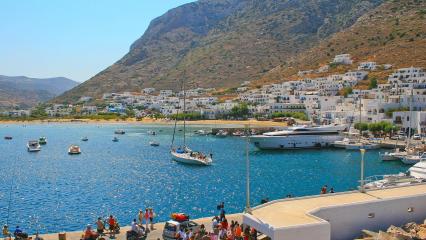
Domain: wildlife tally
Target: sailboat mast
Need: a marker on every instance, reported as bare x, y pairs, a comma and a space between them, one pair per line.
184, 112
360, 119
411, 117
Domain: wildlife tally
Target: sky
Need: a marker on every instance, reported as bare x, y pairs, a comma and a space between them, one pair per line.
71, 38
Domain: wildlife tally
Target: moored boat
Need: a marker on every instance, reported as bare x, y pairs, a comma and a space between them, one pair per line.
299, 137
361, 145
115, 139
42, 140
84, 139
119, 131
150, 132
188, 156
222, 133
33, 146
392, 156
154, 143
411, 159
74, 149
8, 137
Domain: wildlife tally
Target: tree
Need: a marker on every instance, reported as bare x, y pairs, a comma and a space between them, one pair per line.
240, 111
373, 83
347, 91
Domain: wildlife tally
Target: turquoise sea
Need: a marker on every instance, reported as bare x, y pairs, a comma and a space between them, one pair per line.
51, 191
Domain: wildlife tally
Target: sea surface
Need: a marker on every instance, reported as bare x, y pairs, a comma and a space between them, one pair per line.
52, 191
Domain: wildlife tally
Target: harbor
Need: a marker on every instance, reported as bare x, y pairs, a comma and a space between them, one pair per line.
120, 177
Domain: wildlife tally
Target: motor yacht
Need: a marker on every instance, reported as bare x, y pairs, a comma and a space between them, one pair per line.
33, 146
119, 131
300, 137
74, 149
42, 140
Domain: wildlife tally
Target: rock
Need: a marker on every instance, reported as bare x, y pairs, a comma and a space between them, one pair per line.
401, 233
367, 233
390, 236
421, 234
411, 226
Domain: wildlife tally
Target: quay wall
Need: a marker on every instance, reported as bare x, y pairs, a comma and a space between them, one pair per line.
347, 221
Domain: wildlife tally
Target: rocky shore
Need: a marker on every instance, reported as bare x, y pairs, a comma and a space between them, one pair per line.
409, 231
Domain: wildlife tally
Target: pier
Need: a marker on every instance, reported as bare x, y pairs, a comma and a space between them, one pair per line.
339, 216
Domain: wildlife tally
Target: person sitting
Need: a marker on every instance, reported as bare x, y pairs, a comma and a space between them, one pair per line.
139, 231
19, 233
89, 234
5, 231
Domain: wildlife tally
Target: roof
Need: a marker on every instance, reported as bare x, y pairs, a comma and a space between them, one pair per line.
293, 212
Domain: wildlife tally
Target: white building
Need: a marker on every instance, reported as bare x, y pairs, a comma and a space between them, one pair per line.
369, 66
343, 59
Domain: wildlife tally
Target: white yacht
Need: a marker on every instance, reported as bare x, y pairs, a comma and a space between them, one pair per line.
392, 156
188, 156
411, 159
33, 146
415, 174
300, 137
119, 131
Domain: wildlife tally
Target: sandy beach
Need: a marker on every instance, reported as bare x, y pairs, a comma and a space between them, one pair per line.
239, 123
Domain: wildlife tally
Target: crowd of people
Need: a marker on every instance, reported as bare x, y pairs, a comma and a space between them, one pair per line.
139, 228
221, 230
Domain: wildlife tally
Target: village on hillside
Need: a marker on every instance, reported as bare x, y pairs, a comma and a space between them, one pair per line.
330, 99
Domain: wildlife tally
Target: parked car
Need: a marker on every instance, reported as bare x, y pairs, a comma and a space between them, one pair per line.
173, 226
417, 137
401, 137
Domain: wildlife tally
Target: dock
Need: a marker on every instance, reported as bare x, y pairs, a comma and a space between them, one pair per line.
339, 216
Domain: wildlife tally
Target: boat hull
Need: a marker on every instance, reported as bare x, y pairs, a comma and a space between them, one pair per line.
410, 160
33, 149
186, 159
294, 141
362, 146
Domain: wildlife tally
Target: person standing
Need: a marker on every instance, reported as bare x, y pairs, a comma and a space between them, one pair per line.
112, 224
100, 226
146, 216
140, 217
151, 218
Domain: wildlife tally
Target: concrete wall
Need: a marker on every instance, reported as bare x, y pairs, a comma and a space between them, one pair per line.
317, 231
347, 221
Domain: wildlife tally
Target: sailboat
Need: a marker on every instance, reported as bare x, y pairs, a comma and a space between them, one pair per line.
413, 154
354, 145
183, 154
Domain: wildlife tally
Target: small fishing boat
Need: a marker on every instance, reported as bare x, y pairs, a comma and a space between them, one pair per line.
238, 134
411, 159
202, 132
115, 139
74, 149
187, 156
33, 146
151, 133
84, 139
8, 137
222, 133
392, 156
119, 131
42, 140
154, 143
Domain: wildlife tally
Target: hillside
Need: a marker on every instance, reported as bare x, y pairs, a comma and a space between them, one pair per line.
221, 43
25, 92
393, 33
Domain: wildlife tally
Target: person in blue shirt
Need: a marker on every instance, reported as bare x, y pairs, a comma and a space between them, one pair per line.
19, 233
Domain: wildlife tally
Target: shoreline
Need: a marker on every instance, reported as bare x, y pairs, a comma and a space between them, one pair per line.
149, 121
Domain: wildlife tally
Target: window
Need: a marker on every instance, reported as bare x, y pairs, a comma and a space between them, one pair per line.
371, 215
410, 209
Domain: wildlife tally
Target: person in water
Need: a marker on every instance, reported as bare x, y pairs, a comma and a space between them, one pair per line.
332, 190
324, 189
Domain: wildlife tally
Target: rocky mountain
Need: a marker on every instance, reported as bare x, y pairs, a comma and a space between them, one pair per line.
393, 33
221, 43
25, 92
